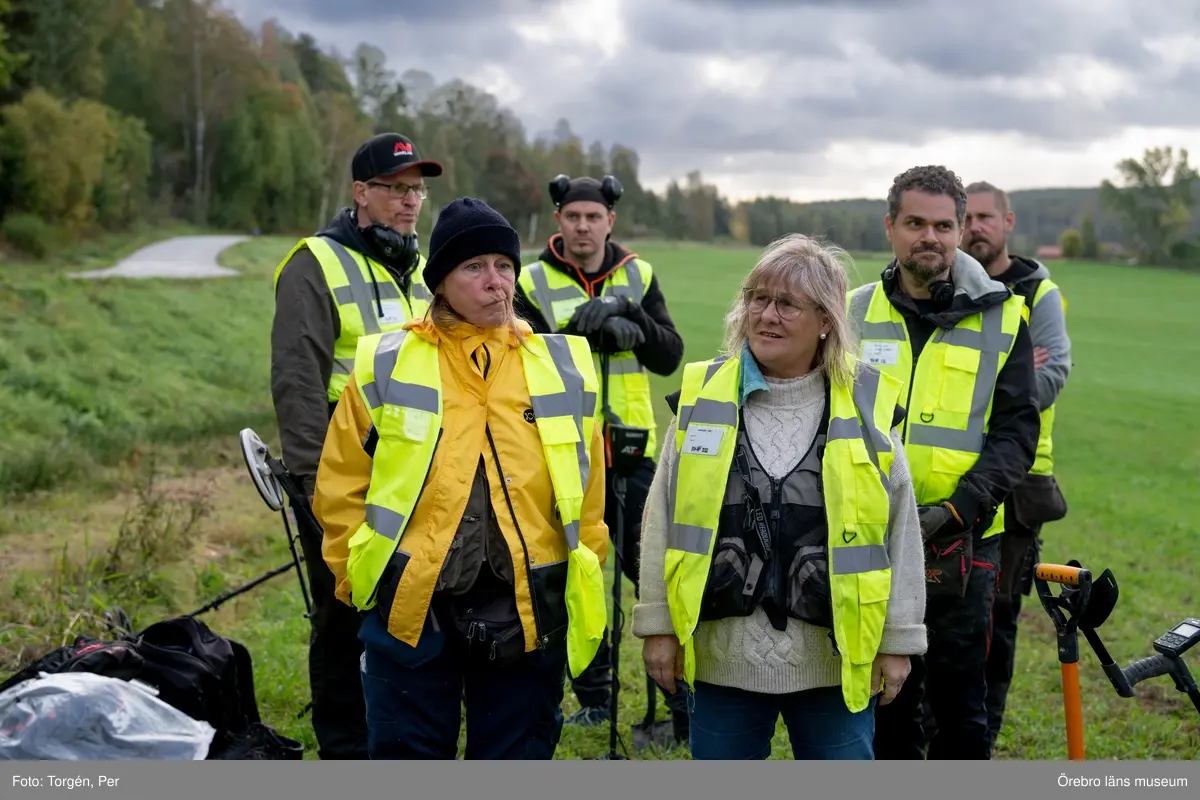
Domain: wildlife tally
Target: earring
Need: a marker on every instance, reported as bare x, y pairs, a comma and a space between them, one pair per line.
822, 336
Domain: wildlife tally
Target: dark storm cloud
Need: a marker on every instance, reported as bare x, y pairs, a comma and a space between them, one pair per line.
821, 72
388, 12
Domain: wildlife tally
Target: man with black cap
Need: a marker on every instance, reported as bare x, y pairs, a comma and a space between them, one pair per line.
586, 284
359, 275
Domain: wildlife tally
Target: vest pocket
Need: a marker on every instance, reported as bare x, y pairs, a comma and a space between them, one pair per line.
958, 383
734, 587
874, 589
808, 591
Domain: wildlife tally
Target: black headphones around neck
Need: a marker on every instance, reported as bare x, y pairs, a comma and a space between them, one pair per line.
399, 249
942, 293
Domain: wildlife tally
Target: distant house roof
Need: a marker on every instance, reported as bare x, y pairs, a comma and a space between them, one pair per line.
1049, 251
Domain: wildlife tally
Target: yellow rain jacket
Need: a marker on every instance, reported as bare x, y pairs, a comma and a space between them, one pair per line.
473, 405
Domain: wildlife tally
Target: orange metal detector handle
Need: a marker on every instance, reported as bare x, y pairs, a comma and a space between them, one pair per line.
1061, 573
1080, 580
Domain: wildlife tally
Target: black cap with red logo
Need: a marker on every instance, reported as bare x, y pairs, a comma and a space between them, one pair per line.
387, 154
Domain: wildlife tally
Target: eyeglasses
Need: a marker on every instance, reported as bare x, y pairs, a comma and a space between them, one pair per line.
401, 190
786, 306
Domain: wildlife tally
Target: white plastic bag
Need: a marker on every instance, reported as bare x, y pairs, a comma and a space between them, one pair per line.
80, 716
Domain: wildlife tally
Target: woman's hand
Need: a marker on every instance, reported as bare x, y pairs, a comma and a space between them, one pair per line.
664, 660
893, 670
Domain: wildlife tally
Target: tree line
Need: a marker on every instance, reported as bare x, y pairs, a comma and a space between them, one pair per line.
122, 111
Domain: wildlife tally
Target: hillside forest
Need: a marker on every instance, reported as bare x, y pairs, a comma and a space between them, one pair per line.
124, 112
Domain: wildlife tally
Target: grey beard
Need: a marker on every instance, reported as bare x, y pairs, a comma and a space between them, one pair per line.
923, 273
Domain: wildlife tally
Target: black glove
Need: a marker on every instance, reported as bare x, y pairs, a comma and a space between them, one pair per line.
624, 333
940, 520
588, 318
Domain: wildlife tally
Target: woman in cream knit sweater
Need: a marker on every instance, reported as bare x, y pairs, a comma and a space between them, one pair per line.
765, 642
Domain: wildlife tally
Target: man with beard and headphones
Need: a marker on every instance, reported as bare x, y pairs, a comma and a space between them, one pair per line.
1038, 499
959, 342
359, 275
584, 283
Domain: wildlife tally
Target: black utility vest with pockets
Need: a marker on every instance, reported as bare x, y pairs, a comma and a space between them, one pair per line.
772, 540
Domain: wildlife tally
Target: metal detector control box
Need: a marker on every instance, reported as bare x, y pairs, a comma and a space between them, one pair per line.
1179, 639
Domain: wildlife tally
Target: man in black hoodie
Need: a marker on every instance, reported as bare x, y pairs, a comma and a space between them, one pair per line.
1038, 499
358, 276
959, 343
586, 284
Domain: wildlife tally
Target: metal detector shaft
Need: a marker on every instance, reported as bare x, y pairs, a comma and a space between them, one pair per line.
618, 536
225, 598
1068, 641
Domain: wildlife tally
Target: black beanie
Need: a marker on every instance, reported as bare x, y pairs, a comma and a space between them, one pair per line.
466, 228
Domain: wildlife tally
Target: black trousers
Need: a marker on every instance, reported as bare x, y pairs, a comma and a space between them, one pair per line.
339, 713
1021, 549
949, 681
593, 686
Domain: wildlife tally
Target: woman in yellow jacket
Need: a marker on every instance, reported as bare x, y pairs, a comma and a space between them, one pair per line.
461, 491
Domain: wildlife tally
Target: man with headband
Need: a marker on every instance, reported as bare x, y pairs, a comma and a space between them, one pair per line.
586, 284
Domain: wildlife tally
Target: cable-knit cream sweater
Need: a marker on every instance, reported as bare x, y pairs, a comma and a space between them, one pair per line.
747, 652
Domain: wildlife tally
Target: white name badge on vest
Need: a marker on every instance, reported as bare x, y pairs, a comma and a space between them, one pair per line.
703, 440
881, 354
393, 312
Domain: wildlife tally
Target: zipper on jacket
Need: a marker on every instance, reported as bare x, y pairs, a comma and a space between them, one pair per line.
375, 591
773, 527
542, 640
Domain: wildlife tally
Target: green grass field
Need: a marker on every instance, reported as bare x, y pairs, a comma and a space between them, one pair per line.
110, 385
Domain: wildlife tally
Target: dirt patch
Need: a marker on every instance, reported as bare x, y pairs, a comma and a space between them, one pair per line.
228, 514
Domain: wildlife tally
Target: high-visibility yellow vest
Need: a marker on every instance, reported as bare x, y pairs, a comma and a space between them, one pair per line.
856, 469
1043, 463
949, 394
555, 296
360, 309
399, 378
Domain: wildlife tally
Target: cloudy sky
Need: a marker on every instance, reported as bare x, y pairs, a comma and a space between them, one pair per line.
812, 99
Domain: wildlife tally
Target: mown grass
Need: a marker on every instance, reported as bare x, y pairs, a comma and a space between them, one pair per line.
1127, 445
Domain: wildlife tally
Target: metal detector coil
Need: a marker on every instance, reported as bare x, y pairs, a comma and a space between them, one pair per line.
255, 452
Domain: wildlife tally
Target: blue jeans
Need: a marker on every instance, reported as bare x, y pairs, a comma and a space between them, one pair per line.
734, 724
415, 698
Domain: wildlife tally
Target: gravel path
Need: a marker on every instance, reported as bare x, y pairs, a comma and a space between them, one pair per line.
181, 257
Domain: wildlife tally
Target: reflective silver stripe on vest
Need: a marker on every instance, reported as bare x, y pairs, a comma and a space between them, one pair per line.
358, 291
544, 296
384, 521
635, 287
859, 558
624, 366
384, 365
570, 402
343, 366
713, 367
990, 341
705, 411
860, 303
421, 292
865, 391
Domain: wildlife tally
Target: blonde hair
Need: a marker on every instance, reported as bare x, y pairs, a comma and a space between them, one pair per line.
443, 315
818, 271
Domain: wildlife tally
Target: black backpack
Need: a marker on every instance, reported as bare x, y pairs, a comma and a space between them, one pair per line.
204, 675
119, 659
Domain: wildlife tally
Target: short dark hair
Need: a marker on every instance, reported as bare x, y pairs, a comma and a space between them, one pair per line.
979, 187
931, 180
